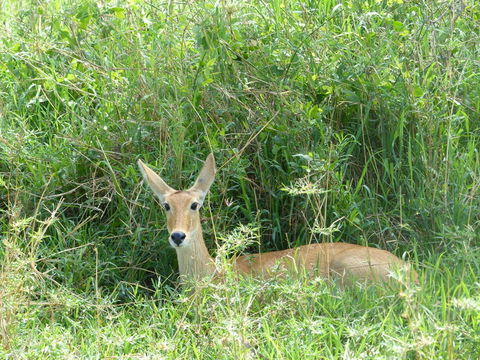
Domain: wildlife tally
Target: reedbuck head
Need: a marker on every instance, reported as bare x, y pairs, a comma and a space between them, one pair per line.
182, 207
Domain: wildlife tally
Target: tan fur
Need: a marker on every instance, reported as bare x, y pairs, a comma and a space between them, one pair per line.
348, 262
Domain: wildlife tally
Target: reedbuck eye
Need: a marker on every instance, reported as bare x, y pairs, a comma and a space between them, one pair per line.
166, 206
194, 206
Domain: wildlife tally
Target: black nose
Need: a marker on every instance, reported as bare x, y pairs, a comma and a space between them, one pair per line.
177, 237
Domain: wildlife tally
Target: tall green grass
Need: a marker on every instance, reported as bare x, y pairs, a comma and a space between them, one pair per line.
330, 121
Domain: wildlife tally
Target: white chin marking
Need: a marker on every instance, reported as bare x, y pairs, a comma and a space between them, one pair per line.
175, 246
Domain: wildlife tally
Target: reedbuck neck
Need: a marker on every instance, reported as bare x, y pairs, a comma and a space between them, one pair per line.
183, 219
348, 262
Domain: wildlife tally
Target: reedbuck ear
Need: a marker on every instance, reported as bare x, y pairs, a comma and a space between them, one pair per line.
159, 187
205, 178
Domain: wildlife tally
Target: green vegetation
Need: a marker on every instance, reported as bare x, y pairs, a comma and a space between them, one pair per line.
354, 121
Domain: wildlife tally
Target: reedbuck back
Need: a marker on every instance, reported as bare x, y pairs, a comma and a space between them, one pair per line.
348, 262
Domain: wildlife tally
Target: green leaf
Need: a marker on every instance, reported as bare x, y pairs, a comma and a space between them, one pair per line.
398, 26
417, 91
118, 12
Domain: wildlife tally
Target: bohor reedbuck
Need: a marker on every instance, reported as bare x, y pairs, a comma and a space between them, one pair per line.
347, 262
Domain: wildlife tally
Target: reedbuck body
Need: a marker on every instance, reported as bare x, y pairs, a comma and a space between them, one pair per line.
348, 262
